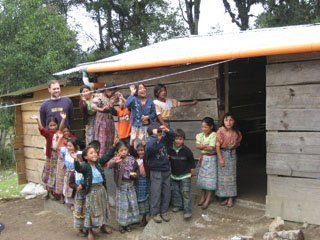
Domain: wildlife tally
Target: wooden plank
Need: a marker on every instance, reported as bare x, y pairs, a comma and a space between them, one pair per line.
31, 107
294, 188
293, 73
34, 164
34, 141
20, 167
26, 116
34, 153
192, 145
298, 165
132, 76
18, 142
206, 89
31, 129
293, 142
22, 178
33, 176
293, 199
295, 57
293, 119
302, 210
294, 96
190, 128
19, 155
196, 112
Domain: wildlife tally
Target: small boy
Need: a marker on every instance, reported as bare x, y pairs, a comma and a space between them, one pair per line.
182, 169
161, 139
124, 124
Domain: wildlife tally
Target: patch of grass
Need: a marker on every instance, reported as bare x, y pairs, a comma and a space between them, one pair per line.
9, 187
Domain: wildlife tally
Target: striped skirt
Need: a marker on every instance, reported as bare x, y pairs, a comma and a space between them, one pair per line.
49, 172
207, 176
67, 190
143, 194
105, 131
97, 209
60, 176
90, 129
127, 209
79, 207
227, 175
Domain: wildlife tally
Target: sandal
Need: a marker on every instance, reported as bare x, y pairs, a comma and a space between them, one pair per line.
201, 203
223, 203
203, 207
122, 229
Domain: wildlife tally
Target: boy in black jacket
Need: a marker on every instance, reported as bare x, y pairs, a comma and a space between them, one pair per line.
182, 169
161, 139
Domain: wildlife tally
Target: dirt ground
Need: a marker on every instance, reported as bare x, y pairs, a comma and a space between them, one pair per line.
217, 222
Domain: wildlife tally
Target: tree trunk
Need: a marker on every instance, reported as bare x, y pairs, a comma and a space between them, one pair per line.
196, 16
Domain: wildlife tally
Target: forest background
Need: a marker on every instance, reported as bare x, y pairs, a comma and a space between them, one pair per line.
37, 39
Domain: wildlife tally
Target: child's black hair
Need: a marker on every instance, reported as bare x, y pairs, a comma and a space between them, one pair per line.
235, 125
85, 152
95, 143
140, 145
209, 121
52, 119
157, 89
119, 145
153, 125
83, 87
180, 133
137, 87
74, 142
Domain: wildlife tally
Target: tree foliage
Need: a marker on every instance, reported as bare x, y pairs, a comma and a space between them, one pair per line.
34, 43
192, 10
125, 24
241, 14
289, 12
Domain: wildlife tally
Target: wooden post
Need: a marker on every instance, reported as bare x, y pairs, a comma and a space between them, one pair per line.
226, 87
18, 147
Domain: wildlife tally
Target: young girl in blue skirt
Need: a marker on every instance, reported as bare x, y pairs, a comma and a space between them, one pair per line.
207, 176
97, 209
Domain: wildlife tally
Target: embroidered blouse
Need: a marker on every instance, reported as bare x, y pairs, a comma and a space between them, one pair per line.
228, 139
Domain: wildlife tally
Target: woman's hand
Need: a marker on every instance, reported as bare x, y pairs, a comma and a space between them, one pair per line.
221, 162
133, 136
144, 118
117, 158
83, 98
133, 175
164, 128
133, 89
60, 134
105, 108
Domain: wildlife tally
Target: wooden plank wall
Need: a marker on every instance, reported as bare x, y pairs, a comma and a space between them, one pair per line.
198, 84
29, 144
293, 145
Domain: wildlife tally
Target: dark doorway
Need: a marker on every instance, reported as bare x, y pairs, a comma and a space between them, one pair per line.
247, 101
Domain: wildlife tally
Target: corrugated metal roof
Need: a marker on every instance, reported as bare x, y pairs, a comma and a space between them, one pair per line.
192, 49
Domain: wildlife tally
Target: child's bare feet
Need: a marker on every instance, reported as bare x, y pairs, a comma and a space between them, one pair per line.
144, 221
90, 234
105, 229
82, 233
61, 199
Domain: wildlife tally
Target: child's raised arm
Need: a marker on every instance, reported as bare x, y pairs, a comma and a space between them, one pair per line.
63, 119
60, 136
141, 138
34, 117
108, 156
188, 103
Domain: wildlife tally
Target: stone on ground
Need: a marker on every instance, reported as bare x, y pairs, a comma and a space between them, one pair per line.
284, 235
276, 225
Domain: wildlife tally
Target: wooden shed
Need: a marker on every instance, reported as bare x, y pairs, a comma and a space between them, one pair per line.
270, 83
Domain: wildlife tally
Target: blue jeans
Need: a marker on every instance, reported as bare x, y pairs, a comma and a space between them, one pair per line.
182, 194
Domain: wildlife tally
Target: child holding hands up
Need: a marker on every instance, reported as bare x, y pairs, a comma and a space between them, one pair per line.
97, 209
126, 170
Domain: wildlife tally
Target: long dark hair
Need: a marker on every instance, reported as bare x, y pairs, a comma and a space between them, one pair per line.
52, 119
119, 145
83, 87
157, 89
235, 125
209, 121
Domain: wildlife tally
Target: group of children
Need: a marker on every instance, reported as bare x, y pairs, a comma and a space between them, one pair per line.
152, 166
